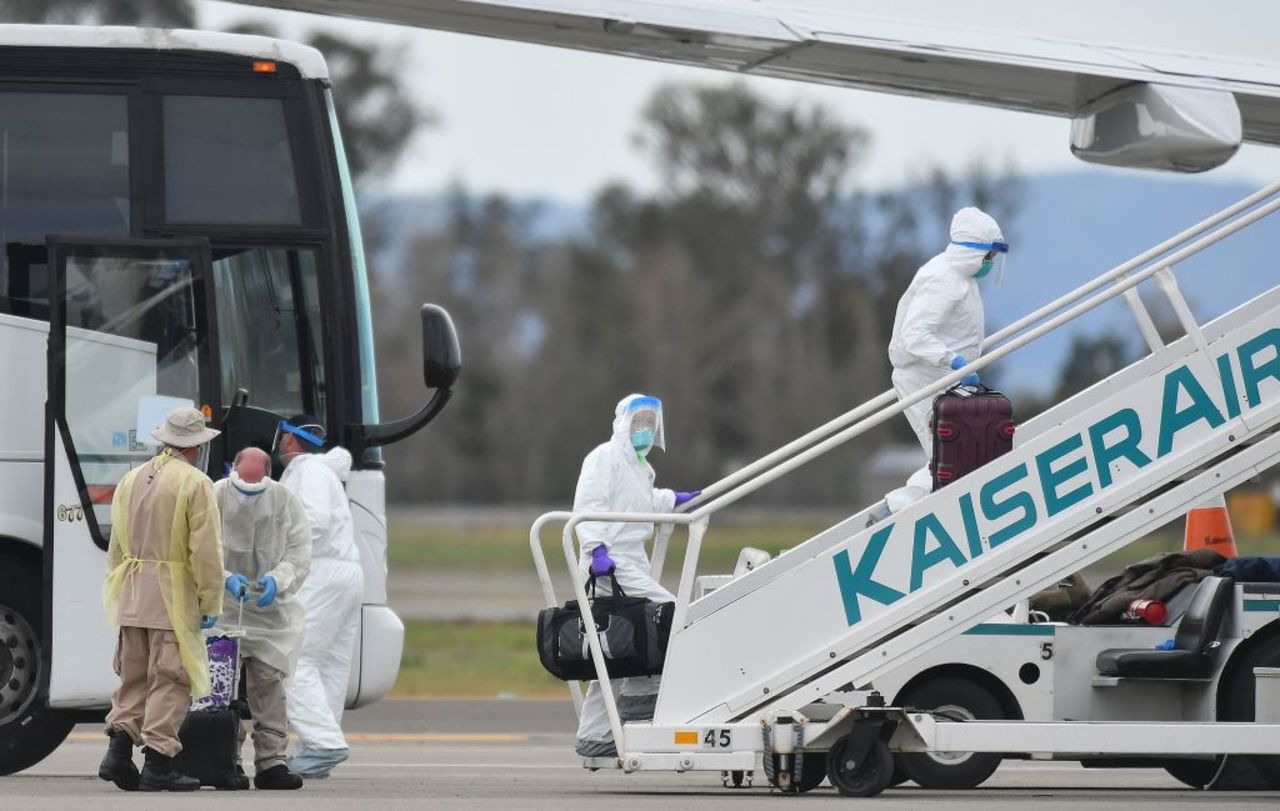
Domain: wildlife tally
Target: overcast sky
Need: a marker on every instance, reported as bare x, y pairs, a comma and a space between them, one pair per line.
542, 122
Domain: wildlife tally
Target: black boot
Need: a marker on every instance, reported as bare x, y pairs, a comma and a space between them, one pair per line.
277, 778
158, 774
118, 766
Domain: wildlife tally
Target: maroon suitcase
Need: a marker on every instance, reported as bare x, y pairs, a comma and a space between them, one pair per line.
971, 425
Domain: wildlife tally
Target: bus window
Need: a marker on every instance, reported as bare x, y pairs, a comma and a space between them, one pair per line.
228, 160
269, 328
64, 167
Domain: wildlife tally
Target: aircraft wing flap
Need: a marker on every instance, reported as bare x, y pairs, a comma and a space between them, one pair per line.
1020, 62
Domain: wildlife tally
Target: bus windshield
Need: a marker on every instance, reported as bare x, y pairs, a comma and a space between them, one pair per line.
269, 328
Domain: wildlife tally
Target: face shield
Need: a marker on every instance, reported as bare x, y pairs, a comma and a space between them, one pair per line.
311, 434
644, 420
992, 261
202, 458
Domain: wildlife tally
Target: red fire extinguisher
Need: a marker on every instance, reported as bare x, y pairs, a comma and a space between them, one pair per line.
1152, 612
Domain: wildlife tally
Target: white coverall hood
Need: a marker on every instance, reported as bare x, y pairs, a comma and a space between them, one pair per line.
266, 534
970, 225
339, 461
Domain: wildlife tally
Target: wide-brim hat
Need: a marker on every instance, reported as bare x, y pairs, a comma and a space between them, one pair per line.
184, 428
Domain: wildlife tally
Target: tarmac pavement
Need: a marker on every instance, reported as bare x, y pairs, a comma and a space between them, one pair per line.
517, 754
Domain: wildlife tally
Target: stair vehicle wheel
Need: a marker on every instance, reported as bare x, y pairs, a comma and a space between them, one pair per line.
1236, 702
1195, 773
860, 778
954, 698
29, 731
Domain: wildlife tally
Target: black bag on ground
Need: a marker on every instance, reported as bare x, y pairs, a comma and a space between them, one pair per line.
210, 733
633, 635
209, 743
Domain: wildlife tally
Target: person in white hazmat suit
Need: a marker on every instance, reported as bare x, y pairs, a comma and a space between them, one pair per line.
266, 548
939, 328
617, 477
331, 596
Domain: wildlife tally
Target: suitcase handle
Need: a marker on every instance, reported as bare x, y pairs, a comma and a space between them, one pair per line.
962, 390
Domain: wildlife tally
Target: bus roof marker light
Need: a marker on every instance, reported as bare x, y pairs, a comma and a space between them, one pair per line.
264, 66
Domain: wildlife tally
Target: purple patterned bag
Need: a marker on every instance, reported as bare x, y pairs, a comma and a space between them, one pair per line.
224, 667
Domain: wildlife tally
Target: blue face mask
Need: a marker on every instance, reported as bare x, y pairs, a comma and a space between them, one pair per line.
984, 269
642, 440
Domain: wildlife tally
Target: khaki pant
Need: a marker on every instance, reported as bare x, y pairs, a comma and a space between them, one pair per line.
154, 693
264, 690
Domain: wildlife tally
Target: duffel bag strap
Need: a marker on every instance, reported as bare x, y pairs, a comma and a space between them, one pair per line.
613, 582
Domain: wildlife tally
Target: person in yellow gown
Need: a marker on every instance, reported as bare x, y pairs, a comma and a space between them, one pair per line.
164, 582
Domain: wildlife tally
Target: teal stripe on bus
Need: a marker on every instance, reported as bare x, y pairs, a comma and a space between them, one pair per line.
1000, 629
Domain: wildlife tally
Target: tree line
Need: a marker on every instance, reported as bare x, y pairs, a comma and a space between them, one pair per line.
754, 293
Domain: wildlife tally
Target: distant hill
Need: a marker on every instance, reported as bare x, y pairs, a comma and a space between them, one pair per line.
1073, 226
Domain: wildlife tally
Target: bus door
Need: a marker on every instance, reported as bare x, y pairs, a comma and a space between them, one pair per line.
130, 339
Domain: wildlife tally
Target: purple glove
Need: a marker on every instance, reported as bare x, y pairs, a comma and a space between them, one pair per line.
601, 563
685, 498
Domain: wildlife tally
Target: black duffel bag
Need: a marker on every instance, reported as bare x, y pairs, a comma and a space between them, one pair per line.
633, 635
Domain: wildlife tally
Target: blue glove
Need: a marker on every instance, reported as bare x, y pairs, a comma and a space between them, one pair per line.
208, 622
958, 362
237, 585
685, 498
601, 563
268, 584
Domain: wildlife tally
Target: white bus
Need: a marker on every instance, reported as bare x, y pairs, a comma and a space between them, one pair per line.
177, 224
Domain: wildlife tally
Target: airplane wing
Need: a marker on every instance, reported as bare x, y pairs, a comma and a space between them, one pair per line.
1049, 58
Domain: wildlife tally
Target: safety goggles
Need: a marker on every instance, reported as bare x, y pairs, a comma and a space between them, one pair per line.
311, 433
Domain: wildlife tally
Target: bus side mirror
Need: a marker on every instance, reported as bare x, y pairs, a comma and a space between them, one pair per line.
441, 365
441, 355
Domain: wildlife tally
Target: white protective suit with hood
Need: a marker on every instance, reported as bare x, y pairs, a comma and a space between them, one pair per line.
939, 317
263, 534
615, 478
331, 596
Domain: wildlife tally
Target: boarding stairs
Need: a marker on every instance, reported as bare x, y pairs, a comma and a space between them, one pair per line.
1190, 419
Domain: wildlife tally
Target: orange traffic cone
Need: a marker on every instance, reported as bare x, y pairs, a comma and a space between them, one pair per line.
1209, 527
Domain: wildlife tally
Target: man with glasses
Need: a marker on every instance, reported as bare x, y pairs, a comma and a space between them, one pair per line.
331, 595
938, 329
